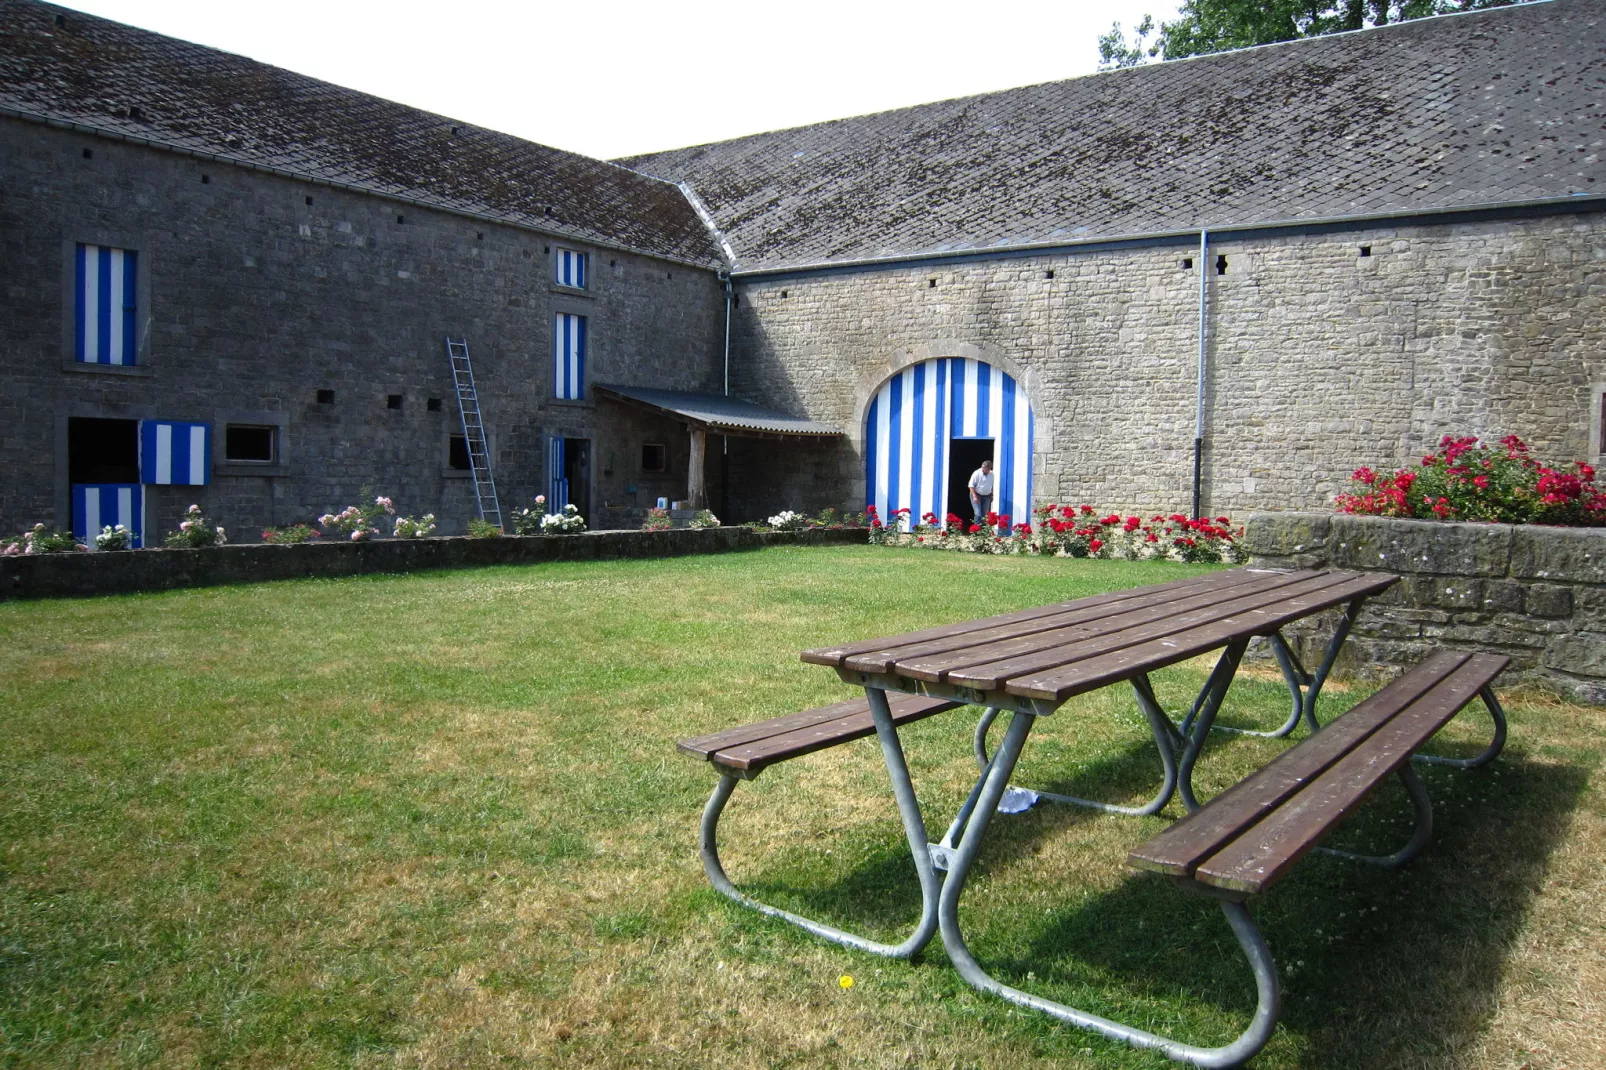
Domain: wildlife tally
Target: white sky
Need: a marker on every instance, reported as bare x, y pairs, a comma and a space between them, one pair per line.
616, 78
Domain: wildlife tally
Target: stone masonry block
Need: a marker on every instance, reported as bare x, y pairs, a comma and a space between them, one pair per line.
1503, 596
1576, 555
1443, 592
1579, 653
1550, 600
1286, 534
1380, 544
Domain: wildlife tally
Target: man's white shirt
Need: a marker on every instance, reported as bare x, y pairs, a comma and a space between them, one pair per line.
981, 482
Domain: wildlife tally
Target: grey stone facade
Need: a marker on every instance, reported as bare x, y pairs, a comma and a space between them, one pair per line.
1536, 593
260, 291
1319, 358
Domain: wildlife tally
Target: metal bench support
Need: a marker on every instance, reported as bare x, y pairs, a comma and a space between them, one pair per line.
914, 827
1303, 687
1498, 744
1243, 926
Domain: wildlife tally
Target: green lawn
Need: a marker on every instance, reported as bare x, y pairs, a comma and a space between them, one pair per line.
438, 820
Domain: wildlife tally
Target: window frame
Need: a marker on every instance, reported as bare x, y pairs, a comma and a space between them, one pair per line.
125, 241
580, 258
582, 361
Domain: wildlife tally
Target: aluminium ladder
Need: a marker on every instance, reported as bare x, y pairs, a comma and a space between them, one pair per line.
468, 407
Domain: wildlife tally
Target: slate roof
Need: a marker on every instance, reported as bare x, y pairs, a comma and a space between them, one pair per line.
129, 81
717, 413
1502, 105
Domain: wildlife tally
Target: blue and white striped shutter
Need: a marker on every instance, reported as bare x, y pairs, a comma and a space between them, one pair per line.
917, 413
104, 304
175, 453
571, 268
569, 356
100, 505
557, 495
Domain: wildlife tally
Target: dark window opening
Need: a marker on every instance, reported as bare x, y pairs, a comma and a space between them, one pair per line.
1049, 274
1187, 263
1366, 250
250, 444
931, 284
546, 250
964, 458
454, 131
136, 114
61, 22
326, 397
102, 451
457, 453
613, 263
309, 202
783, 293
479, 235
89, 154
393, 401
206, 180
433, 404
400, 220
1221, 264
654, 457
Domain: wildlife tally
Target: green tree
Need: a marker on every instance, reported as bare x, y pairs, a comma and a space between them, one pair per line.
1204, 26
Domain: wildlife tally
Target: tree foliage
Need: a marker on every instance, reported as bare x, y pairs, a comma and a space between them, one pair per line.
1205, 26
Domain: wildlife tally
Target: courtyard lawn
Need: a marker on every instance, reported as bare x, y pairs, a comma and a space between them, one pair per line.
437, 820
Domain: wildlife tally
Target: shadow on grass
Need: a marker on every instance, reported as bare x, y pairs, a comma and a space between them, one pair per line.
1379, 967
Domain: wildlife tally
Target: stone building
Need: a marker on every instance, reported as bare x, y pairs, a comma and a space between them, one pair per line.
1230, 279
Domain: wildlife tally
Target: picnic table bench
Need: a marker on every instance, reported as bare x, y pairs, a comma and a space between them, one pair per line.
1030, 662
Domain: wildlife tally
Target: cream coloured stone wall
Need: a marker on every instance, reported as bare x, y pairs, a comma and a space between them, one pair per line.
1319, 359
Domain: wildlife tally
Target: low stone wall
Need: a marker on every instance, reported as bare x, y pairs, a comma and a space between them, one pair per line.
1535, 593
57, 575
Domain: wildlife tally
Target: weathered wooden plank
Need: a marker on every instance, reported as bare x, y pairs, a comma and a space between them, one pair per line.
1264, 853
1179, 849
757, 755
705, 746
1060, 684
986, 667
930, 659
834, 656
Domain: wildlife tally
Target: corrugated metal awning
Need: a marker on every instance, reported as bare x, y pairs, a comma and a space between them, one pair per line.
713, 412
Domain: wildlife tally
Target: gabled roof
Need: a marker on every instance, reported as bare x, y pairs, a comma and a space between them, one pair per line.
713, 412
1496, 106
127, 81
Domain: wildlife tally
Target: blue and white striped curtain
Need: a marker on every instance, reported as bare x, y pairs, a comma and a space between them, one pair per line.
557, 495
918, 412
104, 305
100, 505
571, 268
174, 453
569, 357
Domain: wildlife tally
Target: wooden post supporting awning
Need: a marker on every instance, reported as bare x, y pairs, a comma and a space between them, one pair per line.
704, 413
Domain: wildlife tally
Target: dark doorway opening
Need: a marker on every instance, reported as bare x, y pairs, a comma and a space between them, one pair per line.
102, 451
964, 457
577, 473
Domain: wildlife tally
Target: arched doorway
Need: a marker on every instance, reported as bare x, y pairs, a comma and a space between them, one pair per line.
927, 428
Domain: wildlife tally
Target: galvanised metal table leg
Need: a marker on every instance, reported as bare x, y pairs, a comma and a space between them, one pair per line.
1303, 686
1216, 691
1167, 740
914, 827
1419, 835
1243, 926
1491, 704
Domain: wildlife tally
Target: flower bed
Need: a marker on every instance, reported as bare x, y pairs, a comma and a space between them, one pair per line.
1068, 531
1466, 481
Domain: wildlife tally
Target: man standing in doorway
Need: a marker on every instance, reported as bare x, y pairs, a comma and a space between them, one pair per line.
981, 491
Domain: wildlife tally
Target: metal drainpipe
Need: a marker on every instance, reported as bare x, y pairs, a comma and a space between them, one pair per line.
1199, 396
724, 440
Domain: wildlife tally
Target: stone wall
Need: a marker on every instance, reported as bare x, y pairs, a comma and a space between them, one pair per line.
1536, 593
1326, 351
62, 575
260, 291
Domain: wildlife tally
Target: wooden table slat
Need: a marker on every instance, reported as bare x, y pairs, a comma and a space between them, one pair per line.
927, 661
1257, 859
1059, 685
1179, 849
986, 666
834, 656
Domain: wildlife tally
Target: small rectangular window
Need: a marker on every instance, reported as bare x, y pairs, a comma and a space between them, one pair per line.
568, 356
654, 457
457, 453
104, 306
571, 268
247, 444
